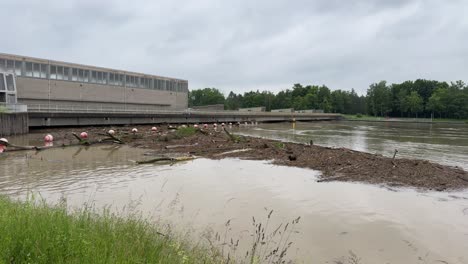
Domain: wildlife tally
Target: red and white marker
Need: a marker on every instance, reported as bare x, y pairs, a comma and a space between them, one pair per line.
215, 125
205, 126
154, 129
3, 146
111, 132
195, 126
83, 135
222, 124
134, 130
48, 138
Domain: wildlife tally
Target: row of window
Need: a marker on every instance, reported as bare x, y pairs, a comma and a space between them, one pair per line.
55, 72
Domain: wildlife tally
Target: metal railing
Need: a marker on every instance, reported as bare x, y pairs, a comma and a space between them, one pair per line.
13, 108
46, 108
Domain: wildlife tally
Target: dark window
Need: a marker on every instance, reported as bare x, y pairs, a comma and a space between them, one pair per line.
36, 70
93, 77
74, 74
10, 65
2, 83
59, 72
44, 71
10, 83
29, 69
104, 78
66, 73
53, 72
18, 68
86, 76
111, 79
99, 77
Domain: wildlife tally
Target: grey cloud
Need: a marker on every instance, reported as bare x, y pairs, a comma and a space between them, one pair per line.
244, 45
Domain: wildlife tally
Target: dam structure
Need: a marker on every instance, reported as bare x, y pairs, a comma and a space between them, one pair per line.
56, 93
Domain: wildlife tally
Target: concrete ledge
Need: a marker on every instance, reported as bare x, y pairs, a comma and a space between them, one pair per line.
13, 124
37, 119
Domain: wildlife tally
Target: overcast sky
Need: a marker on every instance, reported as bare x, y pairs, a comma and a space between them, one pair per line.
249, 45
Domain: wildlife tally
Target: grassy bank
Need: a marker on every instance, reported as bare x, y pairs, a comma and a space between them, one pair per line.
34, 232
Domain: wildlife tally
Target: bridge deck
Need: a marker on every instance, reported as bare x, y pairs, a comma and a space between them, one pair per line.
86, 117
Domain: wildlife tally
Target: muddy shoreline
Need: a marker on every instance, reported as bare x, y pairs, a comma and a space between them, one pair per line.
336, 164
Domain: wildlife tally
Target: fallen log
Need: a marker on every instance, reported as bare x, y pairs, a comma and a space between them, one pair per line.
81, 141
180, 146
233, 138
110, 137
16, 147
172, 160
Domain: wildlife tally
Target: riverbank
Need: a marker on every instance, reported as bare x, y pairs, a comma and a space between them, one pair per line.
367, 118
33, 231
336, 164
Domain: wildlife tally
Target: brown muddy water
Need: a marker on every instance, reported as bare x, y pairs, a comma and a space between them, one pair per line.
377, 224
441, 143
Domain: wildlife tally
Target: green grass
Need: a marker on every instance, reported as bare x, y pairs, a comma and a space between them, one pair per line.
186, 131
34, 232
279, 145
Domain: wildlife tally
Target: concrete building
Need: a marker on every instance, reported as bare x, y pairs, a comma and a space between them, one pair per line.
214, 107
49, 84
284, 110
252, 109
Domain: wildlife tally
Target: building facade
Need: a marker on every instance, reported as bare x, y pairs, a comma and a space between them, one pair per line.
48, 83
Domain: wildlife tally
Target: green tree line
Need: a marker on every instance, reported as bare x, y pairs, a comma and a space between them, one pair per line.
420, 98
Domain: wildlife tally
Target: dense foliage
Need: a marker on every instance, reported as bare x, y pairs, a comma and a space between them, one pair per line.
420, 98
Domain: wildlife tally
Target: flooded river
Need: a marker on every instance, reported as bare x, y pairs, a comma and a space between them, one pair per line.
338, 220
442, 143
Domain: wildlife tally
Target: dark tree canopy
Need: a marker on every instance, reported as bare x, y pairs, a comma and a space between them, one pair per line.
420, 98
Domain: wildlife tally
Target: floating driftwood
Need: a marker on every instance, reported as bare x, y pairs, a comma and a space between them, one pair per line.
232, 151
169, 159
17, 148
80, 140
180, 146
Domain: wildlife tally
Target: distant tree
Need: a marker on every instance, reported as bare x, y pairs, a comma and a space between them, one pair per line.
436, 103
407, 98
379, 99
232, 102
415, 103
207, 96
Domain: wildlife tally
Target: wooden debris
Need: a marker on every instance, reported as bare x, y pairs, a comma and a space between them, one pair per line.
231, 136
180, 146
81, 141
172, 160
